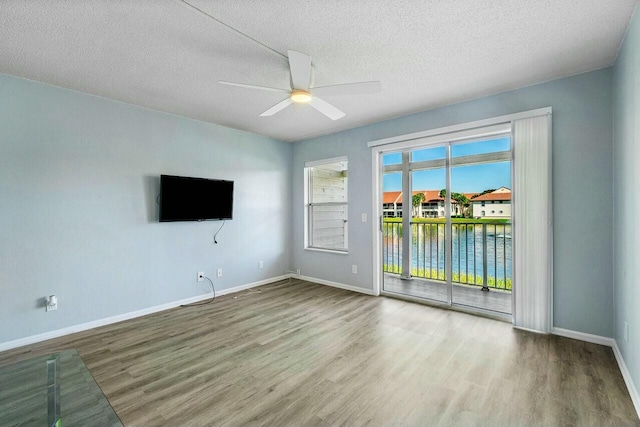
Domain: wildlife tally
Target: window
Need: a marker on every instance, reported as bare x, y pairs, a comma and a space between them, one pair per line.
326, 204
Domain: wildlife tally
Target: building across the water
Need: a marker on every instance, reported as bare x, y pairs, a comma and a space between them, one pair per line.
494, 204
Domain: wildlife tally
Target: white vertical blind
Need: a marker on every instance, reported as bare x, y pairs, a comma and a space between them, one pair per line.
532, 225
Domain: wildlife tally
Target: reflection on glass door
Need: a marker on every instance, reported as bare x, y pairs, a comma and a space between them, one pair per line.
481, 224
446, 228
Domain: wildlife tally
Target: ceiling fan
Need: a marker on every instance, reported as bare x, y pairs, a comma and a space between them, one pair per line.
301, 92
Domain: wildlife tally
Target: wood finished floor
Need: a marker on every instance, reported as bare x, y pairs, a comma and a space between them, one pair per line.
306, 354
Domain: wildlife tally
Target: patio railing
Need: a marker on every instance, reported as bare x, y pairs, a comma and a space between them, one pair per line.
481, 252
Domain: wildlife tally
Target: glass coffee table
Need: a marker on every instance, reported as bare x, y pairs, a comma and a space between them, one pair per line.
53, 390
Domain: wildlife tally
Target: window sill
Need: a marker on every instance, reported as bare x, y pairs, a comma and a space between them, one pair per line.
331, 251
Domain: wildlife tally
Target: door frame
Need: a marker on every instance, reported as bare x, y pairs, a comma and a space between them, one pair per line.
480, 129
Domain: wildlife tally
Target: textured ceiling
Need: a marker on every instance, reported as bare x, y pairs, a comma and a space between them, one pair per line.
164, 55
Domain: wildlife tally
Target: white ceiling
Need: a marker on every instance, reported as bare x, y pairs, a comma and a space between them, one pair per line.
165, 56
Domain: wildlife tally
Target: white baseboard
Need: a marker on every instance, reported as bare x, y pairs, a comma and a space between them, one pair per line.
336, 284
535, 331
248, 286
596, 339
633, 391
126, 316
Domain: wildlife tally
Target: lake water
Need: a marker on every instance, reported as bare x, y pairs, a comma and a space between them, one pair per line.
428, 250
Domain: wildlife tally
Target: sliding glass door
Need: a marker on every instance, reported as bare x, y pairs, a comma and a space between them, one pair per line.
414, 224
446, 229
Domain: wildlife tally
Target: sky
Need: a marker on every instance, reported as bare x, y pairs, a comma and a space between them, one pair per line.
464, 179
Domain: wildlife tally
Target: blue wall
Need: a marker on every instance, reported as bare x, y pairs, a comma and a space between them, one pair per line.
627, 202
79, 176
582, 199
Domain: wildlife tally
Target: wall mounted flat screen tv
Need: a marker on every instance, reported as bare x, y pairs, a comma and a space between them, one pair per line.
195, 199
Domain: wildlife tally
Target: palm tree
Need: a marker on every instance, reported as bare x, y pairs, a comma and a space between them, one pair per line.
416, 201
462, 202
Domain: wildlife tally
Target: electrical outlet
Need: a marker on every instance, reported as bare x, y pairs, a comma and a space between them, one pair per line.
626, 331
52, 303
200, 276
260, 264
298, 272
354, 269
364, 217
219, 272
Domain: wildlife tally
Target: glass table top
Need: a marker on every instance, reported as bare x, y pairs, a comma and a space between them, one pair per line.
53, 390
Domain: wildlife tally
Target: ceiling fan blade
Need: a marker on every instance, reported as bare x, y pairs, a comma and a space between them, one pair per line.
300, 66
325, 108
361, 88
272, 89
279, 106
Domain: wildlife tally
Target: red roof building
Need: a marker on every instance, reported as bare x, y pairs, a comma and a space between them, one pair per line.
431, 207
496, 204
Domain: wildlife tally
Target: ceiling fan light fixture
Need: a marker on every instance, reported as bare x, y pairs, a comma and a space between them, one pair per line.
300, 96
300, 93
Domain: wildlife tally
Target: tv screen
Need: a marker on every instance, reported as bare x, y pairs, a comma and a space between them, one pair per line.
195, 199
